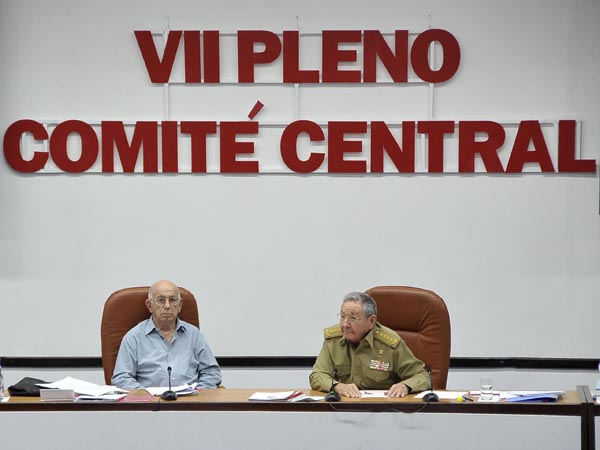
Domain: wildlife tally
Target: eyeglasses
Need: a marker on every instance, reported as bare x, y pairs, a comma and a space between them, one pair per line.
351, 319
162, 301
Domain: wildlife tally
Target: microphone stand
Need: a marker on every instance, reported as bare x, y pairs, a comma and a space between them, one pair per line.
430, 397
332, 396
169, 395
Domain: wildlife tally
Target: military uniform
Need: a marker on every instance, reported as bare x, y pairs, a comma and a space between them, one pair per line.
380, 360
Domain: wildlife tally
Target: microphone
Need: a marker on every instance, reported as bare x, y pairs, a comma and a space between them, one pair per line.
169, 395
430, 397
332, 396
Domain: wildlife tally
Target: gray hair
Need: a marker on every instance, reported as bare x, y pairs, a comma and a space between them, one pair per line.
367, 302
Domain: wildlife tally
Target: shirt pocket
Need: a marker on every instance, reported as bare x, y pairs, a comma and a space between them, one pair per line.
380, 378
378, 375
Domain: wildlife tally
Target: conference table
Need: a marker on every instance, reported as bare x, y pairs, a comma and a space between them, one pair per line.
225, 418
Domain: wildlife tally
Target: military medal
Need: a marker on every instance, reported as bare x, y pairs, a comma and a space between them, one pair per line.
379, 365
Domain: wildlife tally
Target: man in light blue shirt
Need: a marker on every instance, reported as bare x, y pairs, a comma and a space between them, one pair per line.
163, 341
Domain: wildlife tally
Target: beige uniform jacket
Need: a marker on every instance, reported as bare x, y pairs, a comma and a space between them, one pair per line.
379, 361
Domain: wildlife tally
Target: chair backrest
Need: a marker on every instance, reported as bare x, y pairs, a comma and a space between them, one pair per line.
421, 318
123, 310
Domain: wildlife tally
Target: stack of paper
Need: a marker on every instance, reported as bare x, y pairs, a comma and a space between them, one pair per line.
185, 389
87, 390
531, 396
138, 398
100, 398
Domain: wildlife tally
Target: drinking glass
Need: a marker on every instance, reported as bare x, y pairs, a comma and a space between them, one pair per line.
486, 384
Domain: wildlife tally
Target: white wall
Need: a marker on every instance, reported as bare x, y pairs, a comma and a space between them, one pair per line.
516, 258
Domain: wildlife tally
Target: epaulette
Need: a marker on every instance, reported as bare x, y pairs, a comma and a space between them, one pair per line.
387, 338
333, 332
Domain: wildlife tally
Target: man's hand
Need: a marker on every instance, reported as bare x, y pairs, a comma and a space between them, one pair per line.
347, 390
397, 390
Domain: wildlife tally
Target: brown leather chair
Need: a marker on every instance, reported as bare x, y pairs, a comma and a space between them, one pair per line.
126, 308
421, 318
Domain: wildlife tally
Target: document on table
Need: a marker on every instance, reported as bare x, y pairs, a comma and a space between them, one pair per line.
307, 398
478, 393
373, 394
185, 389
506, 394
531, 396
82, 387
100, 398
134, 397
282, 396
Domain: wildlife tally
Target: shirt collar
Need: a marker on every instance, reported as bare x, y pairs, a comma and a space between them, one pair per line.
150, 327
369, 337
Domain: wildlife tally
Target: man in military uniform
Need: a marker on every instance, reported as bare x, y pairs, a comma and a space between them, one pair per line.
366, 355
